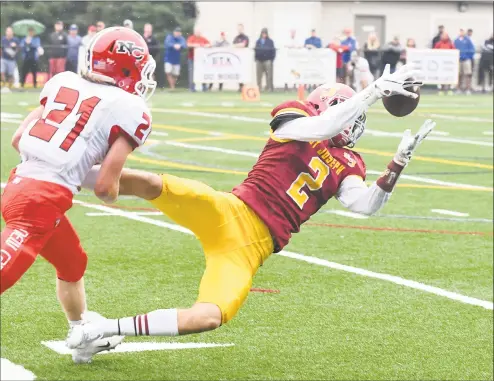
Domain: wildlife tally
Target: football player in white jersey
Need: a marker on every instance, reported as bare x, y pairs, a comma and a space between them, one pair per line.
99, 116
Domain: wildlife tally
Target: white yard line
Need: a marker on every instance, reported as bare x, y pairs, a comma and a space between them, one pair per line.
7, 115
449, 212
212, 149
60, 347
13, 372
345, 213
391, 278
419, 179
160, 133
317, 261
13, 121
368, 131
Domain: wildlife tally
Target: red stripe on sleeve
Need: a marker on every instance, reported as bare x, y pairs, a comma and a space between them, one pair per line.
117, 131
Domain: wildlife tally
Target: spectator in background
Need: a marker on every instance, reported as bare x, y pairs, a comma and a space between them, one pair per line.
470, 36
100, 25
467, 51
85, 41
351, 42
74, 42
403, 55
265, 53
128, 24
444, 43
151, 41
391, 54
241, 41
339, 49
91, 31
174, 43
8, 64
293, 42
196, 40
362, 74
372, 53
58, 50
486, 64
437, 37
221, 43
30, 49
313, 42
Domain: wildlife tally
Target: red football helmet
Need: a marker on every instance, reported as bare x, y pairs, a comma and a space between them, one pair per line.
326, 96
119, 56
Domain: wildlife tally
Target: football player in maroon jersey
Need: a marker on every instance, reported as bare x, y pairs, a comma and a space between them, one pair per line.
305, 162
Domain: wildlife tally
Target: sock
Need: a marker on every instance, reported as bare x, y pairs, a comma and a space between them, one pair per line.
73, 323
155, 323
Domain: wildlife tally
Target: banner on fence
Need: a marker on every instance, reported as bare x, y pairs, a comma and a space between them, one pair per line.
304, 66
223, 65
438, 66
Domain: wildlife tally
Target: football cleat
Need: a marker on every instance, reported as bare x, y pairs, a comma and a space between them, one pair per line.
85, 341
85, 344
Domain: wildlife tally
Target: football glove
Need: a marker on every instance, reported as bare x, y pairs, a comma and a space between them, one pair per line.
410, 143
398, 82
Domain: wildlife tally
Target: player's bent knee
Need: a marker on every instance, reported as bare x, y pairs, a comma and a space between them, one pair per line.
200, 318
75, 271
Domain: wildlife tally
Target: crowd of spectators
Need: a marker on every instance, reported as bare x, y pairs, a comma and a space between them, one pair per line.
64, 51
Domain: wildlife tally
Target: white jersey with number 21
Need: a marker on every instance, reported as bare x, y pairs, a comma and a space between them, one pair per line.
80, 122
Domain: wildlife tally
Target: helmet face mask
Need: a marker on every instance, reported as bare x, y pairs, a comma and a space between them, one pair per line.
120, 57
147, 85
326, 96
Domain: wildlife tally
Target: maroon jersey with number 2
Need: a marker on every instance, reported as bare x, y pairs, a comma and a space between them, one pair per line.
292, 180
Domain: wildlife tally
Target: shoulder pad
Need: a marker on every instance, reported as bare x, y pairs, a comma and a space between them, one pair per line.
294, 107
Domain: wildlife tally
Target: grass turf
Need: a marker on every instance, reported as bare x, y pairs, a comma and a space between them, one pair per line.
324, 323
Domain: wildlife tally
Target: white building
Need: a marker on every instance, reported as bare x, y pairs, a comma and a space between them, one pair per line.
418, 20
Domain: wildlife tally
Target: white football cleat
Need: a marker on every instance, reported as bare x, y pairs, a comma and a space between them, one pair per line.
86, 341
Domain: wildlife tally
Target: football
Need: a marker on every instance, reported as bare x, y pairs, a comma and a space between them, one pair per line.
400, 105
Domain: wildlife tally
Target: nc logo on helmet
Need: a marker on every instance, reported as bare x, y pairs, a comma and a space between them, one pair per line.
130, 48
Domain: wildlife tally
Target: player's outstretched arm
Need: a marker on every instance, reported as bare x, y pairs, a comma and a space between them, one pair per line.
356, 196
107, 183
336, 118
37, 113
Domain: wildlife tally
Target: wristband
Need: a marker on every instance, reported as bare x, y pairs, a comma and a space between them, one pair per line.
390, 176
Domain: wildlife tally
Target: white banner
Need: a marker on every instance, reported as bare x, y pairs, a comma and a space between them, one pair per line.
304, 66
439, 66
223, 65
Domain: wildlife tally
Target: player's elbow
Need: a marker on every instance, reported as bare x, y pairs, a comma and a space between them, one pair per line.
15, 141
105, 192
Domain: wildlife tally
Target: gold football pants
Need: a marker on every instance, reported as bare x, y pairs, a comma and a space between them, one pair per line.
235, 241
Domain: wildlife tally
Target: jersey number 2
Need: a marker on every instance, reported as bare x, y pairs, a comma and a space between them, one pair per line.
314, 183
69, 98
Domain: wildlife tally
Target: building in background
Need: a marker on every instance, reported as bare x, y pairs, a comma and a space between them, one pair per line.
419, 20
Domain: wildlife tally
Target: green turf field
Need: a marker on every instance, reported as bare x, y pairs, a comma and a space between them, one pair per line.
422, 309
